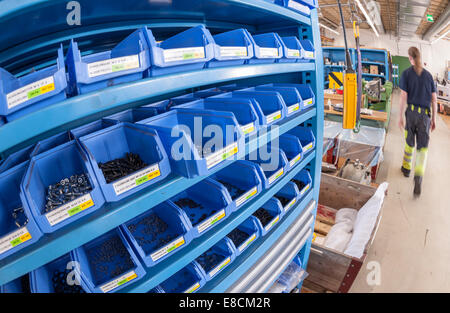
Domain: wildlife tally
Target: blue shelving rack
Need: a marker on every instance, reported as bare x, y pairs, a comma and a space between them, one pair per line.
110, 21
336, 55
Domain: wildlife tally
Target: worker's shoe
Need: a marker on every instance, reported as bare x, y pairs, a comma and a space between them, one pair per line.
417, 185
405, 171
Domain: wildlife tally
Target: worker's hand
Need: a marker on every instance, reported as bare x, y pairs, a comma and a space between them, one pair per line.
401, 122
433, 124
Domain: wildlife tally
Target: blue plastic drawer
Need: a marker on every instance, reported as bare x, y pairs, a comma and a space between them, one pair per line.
20, 96
206, 93
50, 143
217, 258
290, 95
115, 142
306, 93
161, 106
268, 48
90, 128
128, 61
51, 167
108, 263
158, 233
244, 235
288, 196
18, 285
292, 148
179, 131
242, 181
292, 50
16, 158
132, 115
271, 164
14, 237
187, 280
186, 51
274, 213
302, 6
205, 204
308, 51
232, 48
54, 277
303, 181
306, 136
242, 109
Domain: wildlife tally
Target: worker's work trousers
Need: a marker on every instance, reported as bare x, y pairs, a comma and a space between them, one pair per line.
417, 133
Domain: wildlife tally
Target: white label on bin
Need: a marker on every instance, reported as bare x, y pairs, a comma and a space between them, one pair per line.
221, 155
180, 54
276, 176
14, 239
167, 249
273, 117
293, 53
247, 129
245, 244
309, 146
136, 179
295, 160
289, 205
69, 209
118, 281
305, 189
249, 194
193, 288
308, 102
309, 54
268, 52
293, 108
30, 91
299, 7
211, 221
219, 267
233, 51
275, 220
113, 65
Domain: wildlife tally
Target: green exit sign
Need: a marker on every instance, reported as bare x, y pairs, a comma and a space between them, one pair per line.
430, 18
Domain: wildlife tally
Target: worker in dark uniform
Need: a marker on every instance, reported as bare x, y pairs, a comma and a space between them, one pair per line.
418, 106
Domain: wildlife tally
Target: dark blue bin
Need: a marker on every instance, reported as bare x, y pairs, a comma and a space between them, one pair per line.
12, 237
293, 149
288, 196
50, 167
306, 93
232, 48
31, 92
242, 181
186, 51
105, 271
16, 158
171, 235
90, 128
268, 48
301, 6
275, 210
248, 233
61, 272
187, 280
50, 143
126, 62
161, 106
132, 115
242, 109
292, 50
18, 285
303, 181
270, 169
306, 136
209, 205
114, 142
290, 95
177, 130
210, 92
308, 51
224, 255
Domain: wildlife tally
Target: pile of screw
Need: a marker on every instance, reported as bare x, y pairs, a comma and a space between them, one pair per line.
20, 219
60, 284
209, 260
109, 259
149, 233
189, 206
238, 236
234, 191
263, 215
118, 168
284, 201
68, 189
299, 184
183, 280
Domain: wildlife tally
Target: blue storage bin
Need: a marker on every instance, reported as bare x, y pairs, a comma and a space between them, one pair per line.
156, 289
205, 204
16, 158
114, 142
187, 280
126, 62
230, 87
50, 143
302, 6
206, 93
306, 136
12, 237
90, 128
244, 180
292, 148
189, 97
292, 50
189, 161
308, 99
104, 271
41, 279
50, 167
249, 233
186, 51
242, 109
268, 172
290, 95
18, 285
132, 115
139, 232
2, 121
31, 92
288, 196
275, 209
224, 255
232, 48
303, 181
161, 106
268, 48
308, 51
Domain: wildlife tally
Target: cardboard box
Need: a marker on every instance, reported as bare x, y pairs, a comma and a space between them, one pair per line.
374, 69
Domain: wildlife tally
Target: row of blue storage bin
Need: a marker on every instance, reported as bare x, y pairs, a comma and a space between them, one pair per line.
139, 56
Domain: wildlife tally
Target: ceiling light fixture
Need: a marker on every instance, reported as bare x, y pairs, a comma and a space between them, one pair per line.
369, 20
326, 27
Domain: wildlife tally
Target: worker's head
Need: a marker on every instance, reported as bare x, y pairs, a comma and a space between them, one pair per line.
415, 59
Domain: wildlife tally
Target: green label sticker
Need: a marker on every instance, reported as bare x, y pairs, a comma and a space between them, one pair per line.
16, 242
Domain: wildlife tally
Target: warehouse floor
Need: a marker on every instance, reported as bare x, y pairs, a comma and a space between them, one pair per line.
412, 245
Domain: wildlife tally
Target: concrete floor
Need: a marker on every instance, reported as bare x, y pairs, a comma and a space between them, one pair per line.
412, 245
